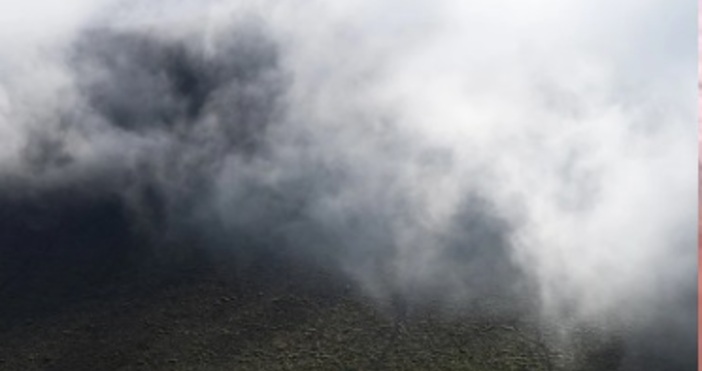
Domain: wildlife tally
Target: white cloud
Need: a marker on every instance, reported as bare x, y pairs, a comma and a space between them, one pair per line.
576, 119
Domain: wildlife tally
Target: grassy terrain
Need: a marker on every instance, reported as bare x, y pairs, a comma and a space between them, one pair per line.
200, 321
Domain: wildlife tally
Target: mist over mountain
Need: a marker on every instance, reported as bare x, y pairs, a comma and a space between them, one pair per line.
431, 153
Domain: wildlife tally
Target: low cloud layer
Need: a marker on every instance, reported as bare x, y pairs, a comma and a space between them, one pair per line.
447, 151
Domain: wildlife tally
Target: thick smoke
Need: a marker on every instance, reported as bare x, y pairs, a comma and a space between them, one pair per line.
431, 151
